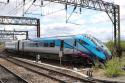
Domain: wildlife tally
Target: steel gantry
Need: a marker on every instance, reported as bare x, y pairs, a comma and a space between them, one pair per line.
12, 33
10, 20
112, 10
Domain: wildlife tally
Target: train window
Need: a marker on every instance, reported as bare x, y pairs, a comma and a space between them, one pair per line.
36, 44
32, 44
45, 44
82, 42
52, 44
40, 44
98, 49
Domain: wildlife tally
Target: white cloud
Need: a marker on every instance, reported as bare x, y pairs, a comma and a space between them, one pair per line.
100, 18
70, 29
59, 29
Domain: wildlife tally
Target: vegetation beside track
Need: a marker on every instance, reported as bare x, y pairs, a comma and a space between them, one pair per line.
110, 45
0, 43
114, 67
1, 46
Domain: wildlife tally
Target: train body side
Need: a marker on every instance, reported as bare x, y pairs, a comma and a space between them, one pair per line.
49, 46
76, 46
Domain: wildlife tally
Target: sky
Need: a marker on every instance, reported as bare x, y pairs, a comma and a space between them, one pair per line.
53, 19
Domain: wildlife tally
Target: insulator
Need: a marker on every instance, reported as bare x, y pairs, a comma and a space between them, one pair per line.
65, 6
8, 1
80, 9
34, 1
41, 3
23, 1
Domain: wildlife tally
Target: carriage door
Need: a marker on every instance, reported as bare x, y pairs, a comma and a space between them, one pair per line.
75, 47
61, 51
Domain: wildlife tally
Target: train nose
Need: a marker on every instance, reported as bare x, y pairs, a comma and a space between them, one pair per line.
107, 54
106, 51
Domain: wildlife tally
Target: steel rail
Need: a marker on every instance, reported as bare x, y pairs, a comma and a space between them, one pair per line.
34, 68
1, 81
13, 74
86, 80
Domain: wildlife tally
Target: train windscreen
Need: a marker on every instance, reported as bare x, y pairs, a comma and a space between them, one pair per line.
93, 39
98, 43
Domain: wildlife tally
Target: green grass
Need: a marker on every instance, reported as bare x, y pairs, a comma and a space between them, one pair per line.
113, 67
1, 45
110, 45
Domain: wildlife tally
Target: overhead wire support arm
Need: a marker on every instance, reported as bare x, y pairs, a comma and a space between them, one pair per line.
13, 33
9, 20
5, 2
90, 4
27, 21
70, 14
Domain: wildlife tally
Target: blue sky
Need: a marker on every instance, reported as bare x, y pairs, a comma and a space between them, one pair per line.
91, 22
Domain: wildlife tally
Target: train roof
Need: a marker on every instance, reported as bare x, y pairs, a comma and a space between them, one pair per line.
61, 37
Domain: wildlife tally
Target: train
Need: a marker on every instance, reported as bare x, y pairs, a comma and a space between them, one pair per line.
75, 48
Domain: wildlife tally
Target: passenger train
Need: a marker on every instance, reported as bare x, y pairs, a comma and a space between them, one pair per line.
76, 48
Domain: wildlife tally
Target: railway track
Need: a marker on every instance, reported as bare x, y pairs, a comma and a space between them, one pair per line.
7, 76
55, 75
1, 81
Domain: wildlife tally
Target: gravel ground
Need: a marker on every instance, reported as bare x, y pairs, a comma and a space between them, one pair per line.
27, 75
